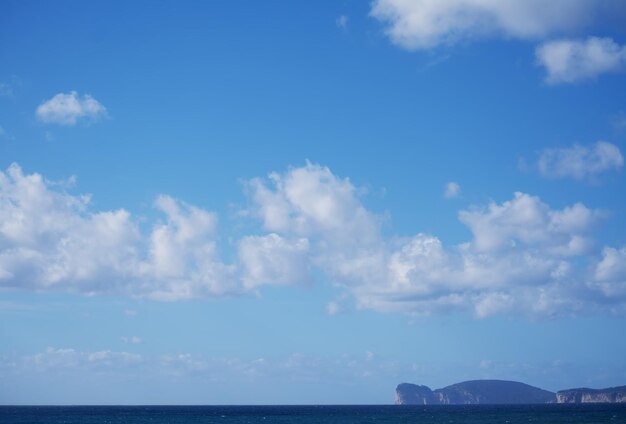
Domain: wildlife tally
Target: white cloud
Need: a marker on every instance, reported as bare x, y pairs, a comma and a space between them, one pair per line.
569, 61
8, 88
526, 221
580, 162
333, 308
425, 24
290, 369
342, 22
72, 359
4, 135
311, 200
50, 240
523, 257
618, 121
274, 260
452, 190
183, 261
68, 109
132, 340
610, 273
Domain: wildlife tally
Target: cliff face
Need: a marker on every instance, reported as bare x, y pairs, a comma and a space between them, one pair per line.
473, 392
585, 395
412, 394
502, 392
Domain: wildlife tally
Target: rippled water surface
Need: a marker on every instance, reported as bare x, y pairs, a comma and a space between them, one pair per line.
548, 414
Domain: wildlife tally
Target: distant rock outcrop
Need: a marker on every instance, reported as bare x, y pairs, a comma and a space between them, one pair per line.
585, 395
473, 392
412, 394
502, 392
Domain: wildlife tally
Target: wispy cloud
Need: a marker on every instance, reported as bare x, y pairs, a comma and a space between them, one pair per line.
452, 190
132, 340
618, 121
570, 61
580, 161
342, 22
295, 367
53, 358
5, 89
74, 372
69, 109
8, 88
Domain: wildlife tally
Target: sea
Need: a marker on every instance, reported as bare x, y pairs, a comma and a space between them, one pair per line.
396, 414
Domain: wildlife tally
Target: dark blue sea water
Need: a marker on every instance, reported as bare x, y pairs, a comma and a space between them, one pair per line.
474, 414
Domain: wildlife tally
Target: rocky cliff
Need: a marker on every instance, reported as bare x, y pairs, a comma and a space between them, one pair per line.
473, 392
412, 394
502, 392
585, 395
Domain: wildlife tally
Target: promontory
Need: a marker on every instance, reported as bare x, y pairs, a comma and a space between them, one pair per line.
495, 392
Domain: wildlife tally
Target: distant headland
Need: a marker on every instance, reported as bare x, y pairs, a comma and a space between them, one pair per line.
476, 392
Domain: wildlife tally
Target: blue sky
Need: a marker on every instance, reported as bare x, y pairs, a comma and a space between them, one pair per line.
276, 202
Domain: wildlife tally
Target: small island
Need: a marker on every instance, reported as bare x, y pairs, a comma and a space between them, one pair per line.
502, 392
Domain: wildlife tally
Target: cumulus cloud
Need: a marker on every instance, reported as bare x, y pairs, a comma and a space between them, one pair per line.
425, 24
311, 200
452, 190
569, 61
274, 260
610, 273
525, 220
51, 240
580, 162
68, 109
523, 256
183, 260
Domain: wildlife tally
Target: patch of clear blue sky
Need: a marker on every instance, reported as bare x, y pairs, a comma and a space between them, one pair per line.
205, 95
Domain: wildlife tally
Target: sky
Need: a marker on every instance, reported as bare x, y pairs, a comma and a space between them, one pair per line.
244, 202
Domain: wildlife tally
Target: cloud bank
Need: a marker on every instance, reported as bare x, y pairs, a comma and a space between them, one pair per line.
524, 257
69, 109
